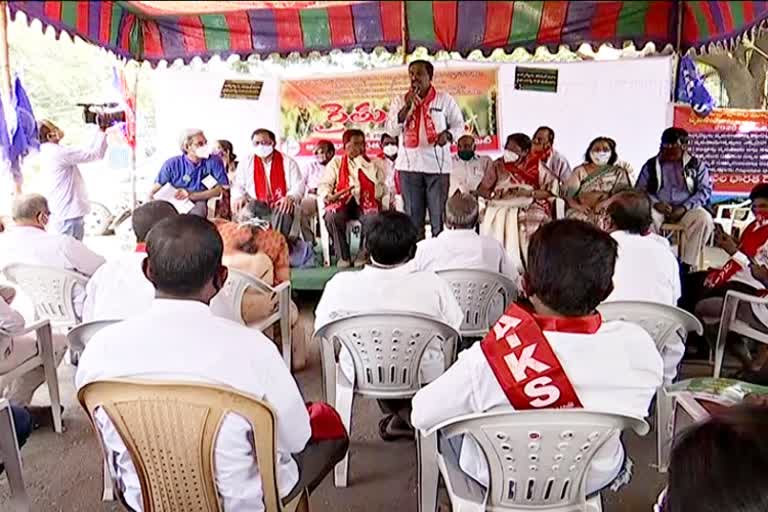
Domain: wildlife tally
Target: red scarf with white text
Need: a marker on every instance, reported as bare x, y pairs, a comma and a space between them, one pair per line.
277, 188
526, 367
368, 203
754, 237
419, 114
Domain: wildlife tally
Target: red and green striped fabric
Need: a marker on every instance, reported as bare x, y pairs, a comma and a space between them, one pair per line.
452, 25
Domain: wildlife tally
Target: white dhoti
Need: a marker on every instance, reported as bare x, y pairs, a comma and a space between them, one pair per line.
501, 221
697, 225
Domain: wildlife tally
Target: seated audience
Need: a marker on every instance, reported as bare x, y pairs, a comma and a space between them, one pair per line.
313, 173
680, 188
389, 283
520, 193
586, 363
352, 187
184, 265
269, 176
29, 243
253, 247
553, 161
389, 150
14, 350
459, 246
468, 167
719, 465
196, 174
646, 269
224, 150
119, 288
593, 183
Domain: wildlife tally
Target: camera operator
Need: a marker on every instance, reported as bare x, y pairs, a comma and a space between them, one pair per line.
196, 174
67, 196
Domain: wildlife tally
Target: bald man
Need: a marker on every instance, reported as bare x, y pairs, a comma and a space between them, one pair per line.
468, 167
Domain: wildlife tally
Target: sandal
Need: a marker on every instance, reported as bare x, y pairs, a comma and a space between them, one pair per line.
389, 433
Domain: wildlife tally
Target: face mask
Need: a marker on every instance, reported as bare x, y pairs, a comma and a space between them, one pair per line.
466, 154
320, 159
390, 149
510, 156
600, 157
263, 151
203, 151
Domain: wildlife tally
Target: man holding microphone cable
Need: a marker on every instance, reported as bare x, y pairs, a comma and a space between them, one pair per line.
427, 122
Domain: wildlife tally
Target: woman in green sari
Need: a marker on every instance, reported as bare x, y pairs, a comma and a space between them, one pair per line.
595, 181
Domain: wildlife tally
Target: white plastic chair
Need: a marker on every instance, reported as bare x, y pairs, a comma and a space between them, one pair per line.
537, 459
50, 290
230, 298
386, 349
663, 323
738, 216
729, 323
677, 231
353, 227
11, 459
77, 339
483, 297
44, 357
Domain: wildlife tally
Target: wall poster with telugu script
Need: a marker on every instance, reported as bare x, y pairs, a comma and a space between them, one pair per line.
322, 108
733, 143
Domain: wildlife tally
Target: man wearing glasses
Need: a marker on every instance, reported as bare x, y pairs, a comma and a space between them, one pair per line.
679, 186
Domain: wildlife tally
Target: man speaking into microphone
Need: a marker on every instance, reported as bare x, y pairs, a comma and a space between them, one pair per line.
427, 122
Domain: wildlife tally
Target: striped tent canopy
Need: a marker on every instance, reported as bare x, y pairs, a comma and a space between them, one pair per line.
155, 31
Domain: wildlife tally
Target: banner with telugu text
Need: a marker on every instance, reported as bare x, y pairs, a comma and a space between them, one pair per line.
733, 143
322, 108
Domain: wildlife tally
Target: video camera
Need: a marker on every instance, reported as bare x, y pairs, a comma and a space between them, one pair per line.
102, 114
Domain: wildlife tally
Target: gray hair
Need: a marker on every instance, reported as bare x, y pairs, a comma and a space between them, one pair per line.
28, 207
257, 213
461, 211
187, 136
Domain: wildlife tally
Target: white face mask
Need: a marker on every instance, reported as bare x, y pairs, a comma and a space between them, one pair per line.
390, 149
600, 157
203, 151
510, 156
263, 151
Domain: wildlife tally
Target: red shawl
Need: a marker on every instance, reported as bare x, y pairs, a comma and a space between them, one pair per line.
368, 203
754, 237
413, 123
277, 189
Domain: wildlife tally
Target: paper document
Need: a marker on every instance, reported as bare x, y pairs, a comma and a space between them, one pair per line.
168, 193
209, 182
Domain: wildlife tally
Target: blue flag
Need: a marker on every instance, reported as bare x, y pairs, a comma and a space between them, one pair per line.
23, 132
691, 89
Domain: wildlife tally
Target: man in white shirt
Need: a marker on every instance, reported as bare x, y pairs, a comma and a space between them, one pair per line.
646, 269
29, 243
389, 149
119, 289
389, 283
313, 172
603, 366
270, 176
184, 265
459, 246
468, 167
14, 351
555, 162
427, 122
67, 196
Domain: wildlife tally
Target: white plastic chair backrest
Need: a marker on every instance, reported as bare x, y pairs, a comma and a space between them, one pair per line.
49, 289
482, 295
387, 347
540, 459
79, 336
661, 321
229, 301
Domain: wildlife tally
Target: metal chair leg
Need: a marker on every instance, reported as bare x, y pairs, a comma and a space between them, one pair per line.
9, 452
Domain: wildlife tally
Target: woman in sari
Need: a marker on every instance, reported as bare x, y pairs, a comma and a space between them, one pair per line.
520, 195
594, 182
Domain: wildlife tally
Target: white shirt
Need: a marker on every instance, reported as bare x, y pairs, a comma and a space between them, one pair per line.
33, 246
427, 158
66, 194
617, 369
182, 340
558, 166
119, 289
312, 174
376, 290
245, 186
467, 175
463, 249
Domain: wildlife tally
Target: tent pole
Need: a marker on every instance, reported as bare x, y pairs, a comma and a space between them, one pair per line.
404, 31
5, 63
135, 134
